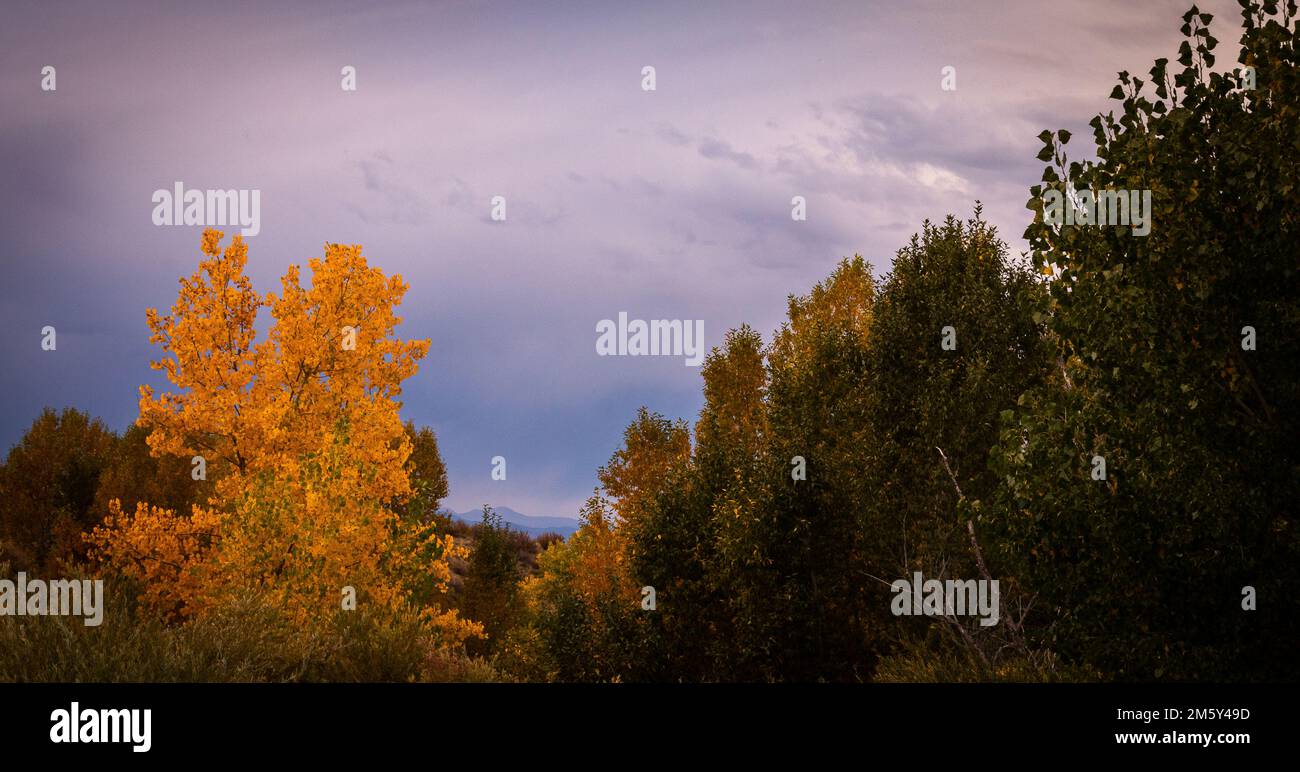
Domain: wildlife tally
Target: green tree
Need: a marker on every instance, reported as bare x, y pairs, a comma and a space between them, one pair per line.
954, 342
47, 486
1144, 570
675, 546
952, 284
428, 476
812, 529
133, 474
491, 591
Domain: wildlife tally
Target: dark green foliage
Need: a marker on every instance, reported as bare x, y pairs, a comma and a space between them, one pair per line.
47, 488
815, 535
763, 576
491, 591
1145, 570
135, 475
923, 398
671, 550
428, 475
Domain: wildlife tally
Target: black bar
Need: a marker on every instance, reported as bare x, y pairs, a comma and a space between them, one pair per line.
1067, 721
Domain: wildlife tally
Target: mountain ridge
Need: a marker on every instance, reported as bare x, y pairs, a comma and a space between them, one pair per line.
533, 525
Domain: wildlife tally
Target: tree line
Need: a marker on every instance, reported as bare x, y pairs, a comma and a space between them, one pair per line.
1110, 433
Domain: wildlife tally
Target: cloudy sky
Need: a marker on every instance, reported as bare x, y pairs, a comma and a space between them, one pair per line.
672, 203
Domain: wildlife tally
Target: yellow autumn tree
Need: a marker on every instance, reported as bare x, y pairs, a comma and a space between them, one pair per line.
651, 447
300, 434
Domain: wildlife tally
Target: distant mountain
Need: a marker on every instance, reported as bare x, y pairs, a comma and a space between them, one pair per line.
533, 525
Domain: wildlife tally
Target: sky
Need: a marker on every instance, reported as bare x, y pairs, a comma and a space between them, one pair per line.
671, 203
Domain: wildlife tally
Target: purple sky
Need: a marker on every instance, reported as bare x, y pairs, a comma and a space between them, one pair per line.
666, 204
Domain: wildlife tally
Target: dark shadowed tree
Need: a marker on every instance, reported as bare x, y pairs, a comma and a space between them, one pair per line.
491, 591
428, 475
133, 474
47, 487
1179, 367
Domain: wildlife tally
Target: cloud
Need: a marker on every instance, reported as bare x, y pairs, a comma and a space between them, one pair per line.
717, 149
674, 204
394, 201
671, 135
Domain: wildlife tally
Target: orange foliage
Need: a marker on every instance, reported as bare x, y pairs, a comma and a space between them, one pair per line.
300, 433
